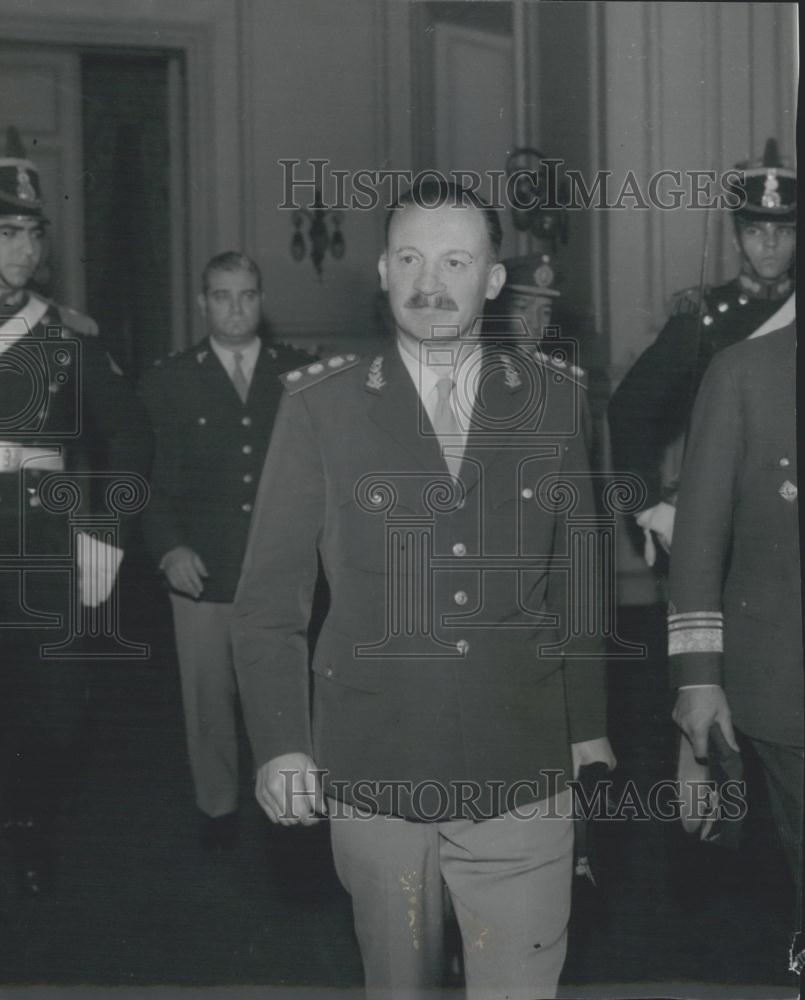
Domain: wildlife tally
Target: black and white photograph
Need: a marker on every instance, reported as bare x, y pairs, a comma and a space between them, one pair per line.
400, 586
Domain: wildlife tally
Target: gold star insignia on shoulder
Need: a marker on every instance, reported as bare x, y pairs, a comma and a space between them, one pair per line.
302, 378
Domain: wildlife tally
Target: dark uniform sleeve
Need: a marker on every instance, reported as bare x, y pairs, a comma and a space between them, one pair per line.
575, 602
113, 416
650, 407
274, 597
703, 531
161, 525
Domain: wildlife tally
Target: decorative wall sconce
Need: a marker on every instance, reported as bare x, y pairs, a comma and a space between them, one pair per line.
319, 236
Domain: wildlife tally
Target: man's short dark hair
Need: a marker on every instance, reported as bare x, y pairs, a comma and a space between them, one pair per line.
230, 260
434, 191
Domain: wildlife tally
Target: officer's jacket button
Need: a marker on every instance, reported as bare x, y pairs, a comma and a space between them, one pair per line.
785, 462
460, 597
202, 421
459, 549
246, 421
328, 672
722, 307
248, 477
463, 647
246, 507
527, 494
247, 449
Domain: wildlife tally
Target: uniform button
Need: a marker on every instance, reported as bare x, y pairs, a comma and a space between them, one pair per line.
459, 549
246, 421
460, 597
708, 321
202, 421
463, 647
328, 672
722, 307
246, 507
785, 462
743, 299
248, 477
527, 494
34, 501
246, 449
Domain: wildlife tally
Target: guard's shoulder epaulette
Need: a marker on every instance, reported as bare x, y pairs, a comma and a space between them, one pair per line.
73, 320
302, 378
687, 302
557, 363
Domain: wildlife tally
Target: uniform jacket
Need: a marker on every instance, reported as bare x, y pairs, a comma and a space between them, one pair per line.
439, 660
209, 452
651, 408
60, 390
735, 614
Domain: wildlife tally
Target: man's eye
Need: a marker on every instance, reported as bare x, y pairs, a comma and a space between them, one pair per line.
408, 258
456, 264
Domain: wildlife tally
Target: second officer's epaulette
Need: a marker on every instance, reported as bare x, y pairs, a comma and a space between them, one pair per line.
159, 362
301, 378
686, 302
560, 366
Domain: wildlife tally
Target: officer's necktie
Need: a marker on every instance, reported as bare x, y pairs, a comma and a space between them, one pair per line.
239, 380
446, 426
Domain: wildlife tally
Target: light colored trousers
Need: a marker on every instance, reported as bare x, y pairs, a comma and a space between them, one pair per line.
210, 700
509, 882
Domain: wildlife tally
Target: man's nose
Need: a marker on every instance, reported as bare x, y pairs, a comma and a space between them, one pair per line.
429, 279
28, 244
770, 237
237, 305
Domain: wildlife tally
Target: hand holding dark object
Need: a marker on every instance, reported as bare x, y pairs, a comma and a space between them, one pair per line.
589, 779
695, 712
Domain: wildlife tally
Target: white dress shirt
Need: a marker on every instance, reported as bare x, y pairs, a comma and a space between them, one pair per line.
464, 373
249, 354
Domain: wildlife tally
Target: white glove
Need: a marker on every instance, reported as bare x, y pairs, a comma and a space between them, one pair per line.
98, 564
660, 520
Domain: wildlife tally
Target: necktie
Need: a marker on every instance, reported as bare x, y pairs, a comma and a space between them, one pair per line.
238, 377
446, 426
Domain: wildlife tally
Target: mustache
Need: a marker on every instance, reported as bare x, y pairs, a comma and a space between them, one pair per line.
438, 301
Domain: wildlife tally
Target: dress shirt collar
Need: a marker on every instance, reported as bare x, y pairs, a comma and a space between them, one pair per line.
249, 353
464, 375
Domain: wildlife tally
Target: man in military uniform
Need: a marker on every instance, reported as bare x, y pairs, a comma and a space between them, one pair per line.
651, 408
735, 621
451, 702
212, 409
62, 401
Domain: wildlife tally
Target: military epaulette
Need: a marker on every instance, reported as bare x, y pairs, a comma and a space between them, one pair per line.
159, 362
560, 366
687, 302
74, 320
302, 378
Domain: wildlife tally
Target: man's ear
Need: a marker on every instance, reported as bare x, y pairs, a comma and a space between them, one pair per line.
383, 271
496, 279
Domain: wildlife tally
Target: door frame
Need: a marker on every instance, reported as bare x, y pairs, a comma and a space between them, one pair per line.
207, 33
